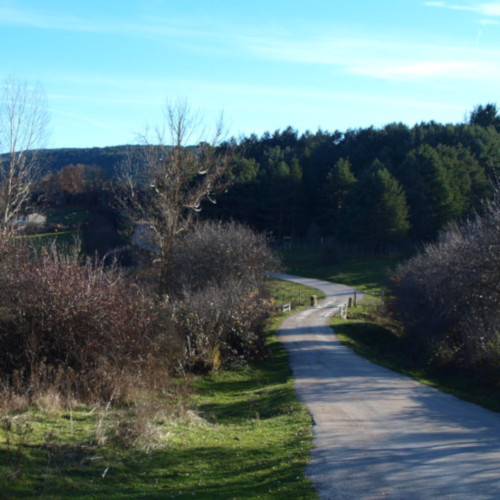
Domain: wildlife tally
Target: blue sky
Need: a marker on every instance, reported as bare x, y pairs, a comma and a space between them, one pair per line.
108, 67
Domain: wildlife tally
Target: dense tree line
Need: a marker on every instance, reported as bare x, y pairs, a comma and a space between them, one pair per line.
372, 187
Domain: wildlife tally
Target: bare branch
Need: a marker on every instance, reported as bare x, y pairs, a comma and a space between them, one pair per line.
23, 128
166, 189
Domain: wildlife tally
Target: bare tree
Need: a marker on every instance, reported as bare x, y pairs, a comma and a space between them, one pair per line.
23, 129
165, 189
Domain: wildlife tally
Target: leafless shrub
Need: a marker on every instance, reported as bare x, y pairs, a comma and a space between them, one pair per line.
73, 330
214, 253
139, 423
76, 327
217, 287
448, 296
222, 326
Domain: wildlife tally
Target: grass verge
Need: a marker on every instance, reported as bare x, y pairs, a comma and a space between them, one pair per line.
240, 434
374, 335
298, 296
365, 273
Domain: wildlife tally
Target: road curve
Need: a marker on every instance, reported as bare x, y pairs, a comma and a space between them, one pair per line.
379, 434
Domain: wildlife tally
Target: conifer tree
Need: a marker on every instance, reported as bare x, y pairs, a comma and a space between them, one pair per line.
375, 212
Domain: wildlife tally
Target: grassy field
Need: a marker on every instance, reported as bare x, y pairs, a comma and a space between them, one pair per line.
365, 273
234, 434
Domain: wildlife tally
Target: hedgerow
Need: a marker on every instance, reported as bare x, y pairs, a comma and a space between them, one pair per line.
95, 332
448, 296
61, 315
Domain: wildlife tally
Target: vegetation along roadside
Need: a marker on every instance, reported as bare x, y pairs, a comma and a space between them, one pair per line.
238, 433
373, 330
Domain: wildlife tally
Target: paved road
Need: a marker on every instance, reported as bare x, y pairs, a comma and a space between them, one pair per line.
379, 434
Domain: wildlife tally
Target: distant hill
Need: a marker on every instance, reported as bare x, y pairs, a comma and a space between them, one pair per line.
107, 158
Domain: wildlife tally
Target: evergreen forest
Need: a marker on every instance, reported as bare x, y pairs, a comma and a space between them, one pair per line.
372, 188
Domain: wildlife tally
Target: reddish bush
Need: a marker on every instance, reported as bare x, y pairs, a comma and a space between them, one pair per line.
84, 329
79, 317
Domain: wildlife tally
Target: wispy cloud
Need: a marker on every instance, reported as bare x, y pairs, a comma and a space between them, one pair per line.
488, 9
387, 59
421, 70
488, 22
350, 53
144, 27
45, 20
100, 122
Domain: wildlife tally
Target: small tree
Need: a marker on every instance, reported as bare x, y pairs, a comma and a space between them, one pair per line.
23, 128
165, 189
485, 116
339, 181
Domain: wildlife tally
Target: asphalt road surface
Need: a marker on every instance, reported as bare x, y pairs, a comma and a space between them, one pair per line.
379, 434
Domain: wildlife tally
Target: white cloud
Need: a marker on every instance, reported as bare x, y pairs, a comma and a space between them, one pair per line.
488, 9
44, 20
422, 70
385, 59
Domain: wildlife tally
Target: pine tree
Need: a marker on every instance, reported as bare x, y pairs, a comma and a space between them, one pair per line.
429, 191
375, 212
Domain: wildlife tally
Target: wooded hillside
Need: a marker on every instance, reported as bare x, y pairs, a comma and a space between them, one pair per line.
370, 187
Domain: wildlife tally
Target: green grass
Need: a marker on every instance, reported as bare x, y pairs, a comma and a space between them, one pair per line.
365, 273
67, 215
244, 436
44, 238
373, 335
287, 292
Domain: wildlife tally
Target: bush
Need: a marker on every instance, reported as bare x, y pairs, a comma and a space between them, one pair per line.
448, 297
219, 293
215, 253
222, 326
86, 330
79, 319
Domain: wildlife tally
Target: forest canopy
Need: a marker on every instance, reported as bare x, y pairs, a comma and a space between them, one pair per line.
370, 187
